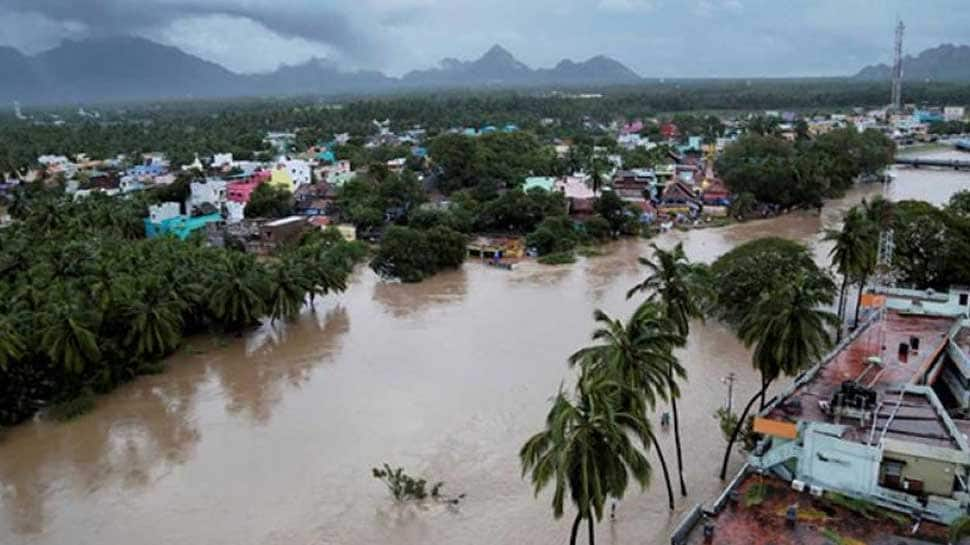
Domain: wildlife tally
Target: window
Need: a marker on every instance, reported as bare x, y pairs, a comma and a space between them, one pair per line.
963, 299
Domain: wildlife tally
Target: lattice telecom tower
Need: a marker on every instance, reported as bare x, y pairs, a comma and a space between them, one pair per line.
897, 74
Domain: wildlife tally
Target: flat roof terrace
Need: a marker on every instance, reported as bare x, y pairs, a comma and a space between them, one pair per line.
873, 360
759, 516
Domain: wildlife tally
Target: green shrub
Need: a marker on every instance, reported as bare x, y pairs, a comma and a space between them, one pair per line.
413, 255
554, 235
403, 487
72, 408
560, 258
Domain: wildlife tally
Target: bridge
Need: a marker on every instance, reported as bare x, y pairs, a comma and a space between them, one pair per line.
917, 162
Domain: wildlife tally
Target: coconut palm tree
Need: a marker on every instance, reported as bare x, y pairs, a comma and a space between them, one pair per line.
850, 254
154, 317
589, 450
289, 285
637, 354
237, 292
879, 215
69, 337
12, 345
789, 332
673, 282
959, 529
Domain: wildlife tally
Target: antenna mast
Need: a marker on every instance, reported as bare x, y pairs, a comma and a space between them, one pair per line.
897, 75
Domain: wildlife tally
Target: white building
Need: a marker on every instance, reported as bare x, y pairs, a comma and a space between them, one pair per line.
235, 211
298, 170
211, 191
221, 160
954, 113
161, 212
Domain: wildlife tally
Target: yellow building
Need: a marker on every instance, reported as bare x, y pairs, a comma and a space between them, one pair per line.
281, 178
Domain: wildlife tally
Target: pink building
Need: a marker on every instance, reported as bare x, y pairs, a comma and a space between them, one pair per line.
243, 189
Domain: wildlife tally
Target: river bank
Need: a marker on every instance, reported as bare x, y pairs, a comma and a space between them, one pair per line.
270, 438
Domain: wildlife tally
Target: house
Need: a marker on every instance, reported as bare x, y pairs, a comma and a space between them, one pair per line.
241, 190
714, 192
678, 198
164, 219
222, 160
867, 421
635, 184
194, 165
289, 229
579, 195
290, 174
669, 131
397, 165
954, 113
206, 197
539, 182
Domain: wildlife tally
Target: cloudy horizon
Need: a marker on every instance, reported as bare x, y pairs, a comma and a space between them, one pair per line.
656, 38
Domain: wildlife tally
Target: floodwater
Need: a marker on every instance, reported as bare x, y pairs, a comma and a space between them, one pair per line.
270, 438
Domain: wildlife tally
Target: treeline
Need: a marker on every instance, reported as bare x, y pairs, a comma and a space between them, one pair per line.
87, 303
804, 172
931, 243
182, 128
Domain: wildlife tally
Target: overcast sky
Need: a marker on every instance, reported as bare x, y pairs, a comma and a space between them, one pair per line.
662, 38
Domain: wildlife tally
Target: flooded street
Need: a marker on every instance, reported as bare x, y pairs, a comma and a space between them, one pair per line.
270, 438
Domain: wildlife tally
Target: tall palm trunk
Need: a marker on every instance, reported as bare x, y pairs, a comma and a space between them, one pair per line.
663, 465
592, 534
858, 301
575, 530
680, 458
841, 309
737, 429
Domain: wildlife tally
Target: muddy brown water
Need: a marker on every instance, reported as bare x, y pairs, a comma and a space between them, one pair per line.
269, 439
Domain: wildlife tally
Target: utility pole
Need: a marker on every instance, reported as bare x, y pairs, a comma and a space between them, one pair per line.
729, 380
897, 74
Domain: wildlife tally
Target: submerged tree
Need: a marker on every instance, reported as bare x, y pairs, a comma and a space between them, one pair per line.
679, 287
638, 355
589, 449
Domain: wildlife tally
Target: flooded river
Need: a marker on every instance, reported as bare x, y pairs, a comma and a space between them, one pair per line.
269, 439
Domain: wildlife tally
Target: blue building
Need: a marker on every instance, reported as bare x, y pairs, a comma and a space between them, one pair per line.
180, 226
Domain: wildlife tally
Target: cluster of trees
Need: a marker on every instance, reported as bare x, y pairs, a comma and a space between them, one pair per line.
87, 303
950, 127
497, 160
415, 254
774, 170
931, 243
183, 128
598, 436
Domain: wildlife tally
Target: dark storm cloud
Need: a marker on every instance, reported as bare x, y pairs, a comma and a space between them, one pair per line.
307, 19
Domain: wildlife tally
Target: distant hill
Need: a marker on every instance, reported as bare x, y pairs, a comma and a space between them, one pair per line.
944, 63
126, 68
498, 67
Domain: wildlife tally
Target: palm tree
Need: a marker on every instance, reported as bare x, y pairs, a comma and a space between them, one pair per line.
789, 332
673, 283
879, 215
288, 288
637, 354
237, 292
587, 450
154, 316
959, 529
850, 254
12, 345
69, 337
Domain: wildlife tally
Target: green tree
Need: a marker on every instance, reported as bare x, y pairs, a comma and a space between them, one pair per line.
69, 337
788, 332
288, 287
852, 253
678, 286
237, 291
638, 355
588, 450
12, 346
269, 201
154, 315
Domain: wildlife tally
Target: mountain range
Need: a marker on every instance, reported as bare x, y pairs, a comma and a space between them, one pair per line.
944, 63
127, 68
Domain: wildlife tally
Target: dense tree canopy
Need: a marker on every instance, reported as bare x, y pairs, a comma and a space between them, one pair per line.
86, 302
